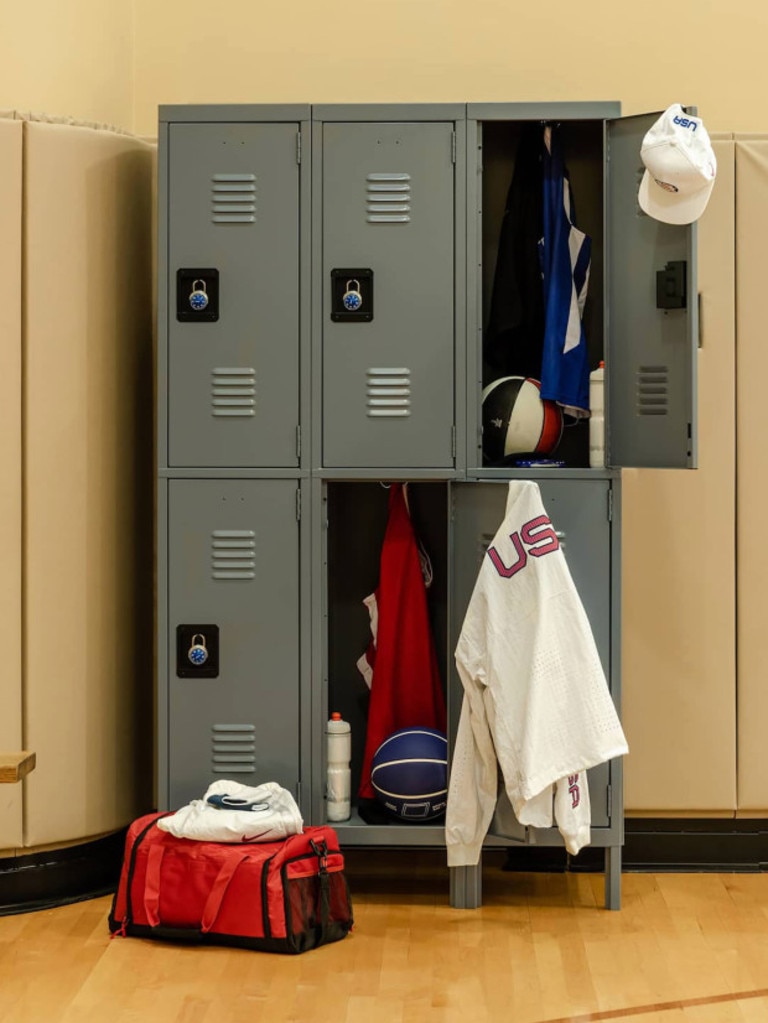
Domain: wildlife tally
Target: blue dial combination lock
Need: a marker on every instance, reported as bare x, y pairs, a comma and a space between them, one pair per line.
352, 298
198, 297
198, 652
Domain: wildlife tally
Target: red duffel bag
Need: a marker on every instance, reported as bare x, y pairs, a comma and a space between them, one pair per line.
287, 896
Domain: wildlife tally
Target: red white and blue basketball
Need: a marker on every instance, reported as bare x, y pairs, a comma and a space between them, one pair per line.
410, 774
517, 420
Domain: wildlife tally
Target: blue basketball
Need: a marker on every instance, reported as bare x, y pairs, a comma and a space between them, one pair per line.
409, 774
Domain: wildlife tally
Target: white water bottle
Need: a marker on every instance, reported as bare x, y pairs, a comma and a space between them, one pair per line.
597, 417
339, 782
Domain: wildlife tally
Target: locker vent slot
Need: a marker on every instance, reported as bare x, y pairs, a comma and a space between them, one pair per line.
652, 391
388, 393
233, 391
388, 198
233, 554
233, 749
233, 199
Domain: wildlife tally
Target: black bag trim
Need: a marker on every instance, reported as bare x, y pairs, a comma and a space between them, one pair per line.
192, 936
265, 898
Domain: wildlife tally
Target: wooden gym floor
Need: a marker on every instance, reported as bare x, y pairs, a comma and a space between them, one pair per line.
685, 948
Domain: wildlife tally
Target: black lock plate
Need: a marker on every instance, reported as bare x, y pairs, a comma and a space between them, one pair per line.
342, 281
671, 286
185, 285
184, 640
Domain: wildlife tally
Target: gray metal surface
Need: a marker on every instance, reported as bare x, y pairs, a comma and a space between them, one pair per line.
388, 384
650, 353
233, 385
556, 111
362, 112
254, 599
466, 887
222, 113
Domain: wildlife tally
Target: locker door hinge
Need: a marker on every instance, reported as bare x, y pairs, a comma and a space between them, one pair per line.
298, 792
298, 148
298, 442
298, 504
609, 799
453, 147
453, 441
610, 504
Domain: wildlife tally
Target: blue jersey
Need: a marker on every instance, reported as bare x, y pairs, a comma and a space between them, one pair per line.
565, 260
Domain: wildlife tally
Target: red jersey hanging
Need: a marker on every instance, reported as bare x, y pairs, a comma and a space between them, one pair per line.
405, 689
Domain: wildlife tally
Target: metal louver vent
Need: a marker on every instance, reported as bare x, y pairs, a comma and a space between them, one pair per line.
233, 554
652, 391
388, 391
233, 391
233, 199
233, 749
388, 198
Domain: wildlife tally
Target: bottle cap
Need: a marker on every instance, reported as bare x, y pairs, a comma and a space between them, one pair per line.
335, 716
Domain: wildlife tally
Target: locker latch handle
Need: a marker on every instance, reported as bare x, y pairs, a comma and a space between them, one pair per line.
671, 286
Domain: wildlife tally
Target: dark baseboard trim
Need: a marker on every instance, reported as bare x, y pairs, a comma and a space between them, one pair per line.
44, 880
59, 876
664, 845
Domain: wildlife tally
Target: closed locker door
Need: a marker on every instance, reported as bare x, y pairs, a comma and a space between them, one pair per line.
388, 381
234, 588
579, 514
233, 229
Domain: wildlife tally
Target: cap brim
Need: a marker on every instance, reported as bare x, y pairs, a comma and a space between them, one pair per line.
670, 207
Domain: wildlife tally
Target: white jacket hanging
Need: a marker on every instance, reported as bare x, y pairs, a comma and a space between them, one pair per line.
536, 701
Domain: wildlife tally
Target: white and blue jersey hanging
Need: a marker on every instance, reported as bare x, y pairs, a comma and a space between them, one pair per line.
565, 254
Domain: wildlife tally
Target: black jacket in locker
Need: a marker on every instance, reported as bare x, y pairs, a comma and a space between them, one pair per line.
514, 336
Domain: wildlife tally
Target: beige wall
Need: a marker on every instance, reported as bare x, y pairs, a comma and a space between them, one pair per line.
708, 52
84, 59
72, 59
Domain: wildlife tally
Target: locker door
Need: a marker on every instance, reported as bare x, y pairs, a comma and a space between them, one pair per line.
650, 351
234, 212
388, 382
579, 514
234, 564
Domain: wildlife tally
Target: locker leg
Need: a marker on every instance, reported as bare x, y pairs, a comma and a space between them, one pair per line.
613, 877
466, 886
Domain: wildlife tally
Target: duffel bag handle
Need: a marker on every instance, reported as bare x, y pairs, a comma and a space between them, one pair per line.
152, 885
217, 893
212, 903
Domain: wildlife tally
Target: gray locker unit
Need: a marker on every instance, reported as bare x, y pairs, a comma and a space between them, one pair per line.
233, 396
386, 219
389, 217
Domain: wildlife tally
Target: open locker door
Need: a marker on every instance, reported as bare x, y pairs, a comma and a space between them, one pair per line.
652, 321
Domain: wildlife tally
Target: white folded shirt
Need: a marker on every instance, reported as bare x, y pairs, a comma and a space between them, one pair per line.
275, 815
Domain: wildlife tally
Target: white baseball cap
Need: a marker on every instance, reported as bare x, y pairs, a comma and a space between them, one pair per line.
680, 168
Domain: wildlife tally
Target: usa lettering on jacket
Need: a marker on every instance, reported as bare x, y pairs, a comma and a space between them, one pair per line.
536, 537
